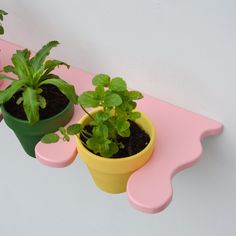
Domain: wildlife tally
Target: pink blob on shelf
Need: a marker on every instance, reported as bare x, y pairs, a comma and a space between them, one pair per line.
178, 146
58, 155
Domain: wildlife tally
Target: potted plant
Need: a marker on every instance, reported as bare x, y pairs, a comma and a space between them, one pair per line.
114, 139
38, 100
2, 14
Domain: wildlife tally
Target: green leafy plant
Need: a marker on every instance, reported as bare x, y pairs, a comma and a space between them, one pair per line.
2, 14
32, 73
113, 120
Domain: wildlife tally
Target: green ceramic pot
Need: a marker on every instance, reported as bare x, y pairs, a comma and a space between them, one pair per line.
30, 135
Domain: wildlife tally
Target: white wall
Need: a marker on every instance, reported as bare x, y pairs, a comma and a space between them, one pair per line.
181, 51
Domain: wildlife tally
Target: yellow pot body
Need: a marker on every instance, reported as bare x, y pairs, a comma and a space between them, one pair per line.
111, 174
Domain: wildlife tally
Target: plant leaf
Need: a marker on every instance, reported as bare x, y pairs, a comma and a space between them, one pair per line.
100, 92
101, 79
50, 65
39, 90
125, 133
101, 131
130, 105
21, 62
112, 100
67, 89
135, 95
37, 76
2, 12
38, 60
65, 134
118, 85
134, 116
104, 148
6, 77
101, 116
19, 100
62, 130
31, 105
5, 95
94, 144
88, 99
50, 138
74, 129
48, 76
66, 138
110, 150
121, 125
42, 101
9, 69
1, 29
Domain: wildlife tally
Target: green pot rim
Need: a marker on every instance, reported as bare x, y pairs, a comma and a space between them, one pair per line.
43, 120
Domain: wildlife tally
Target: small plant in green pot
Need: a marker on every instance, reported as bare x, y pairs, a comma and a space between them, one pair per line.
2, 14
38, 101
114, 139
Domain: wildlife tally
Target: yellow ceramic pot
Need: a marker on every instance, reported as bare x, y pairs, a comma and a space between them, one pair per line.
111, 175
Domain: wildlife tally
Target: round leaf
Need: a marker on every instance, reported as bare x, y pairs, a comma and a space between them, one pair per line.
101, 116
50, 138
101, 131
118, 84
110, 151
74, 129
101, 80
100, 92
134, 116
88, 99
122, 125
94, 144
112, 100
135, 95
125, 133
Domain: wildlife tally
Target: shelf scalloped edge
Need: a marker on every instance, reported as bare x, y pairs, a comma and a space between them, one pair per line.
153, 199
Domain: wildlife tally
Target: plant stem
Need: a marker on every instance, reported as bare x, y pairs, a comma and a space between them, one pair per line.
82, 141
85, 135
87, 112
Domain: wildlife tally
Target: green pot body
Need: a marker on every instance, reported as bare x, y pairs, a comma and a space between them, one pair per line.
30, 135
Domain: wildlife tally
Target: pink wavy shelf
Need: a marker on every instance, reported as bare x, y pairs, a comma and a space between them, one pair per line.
178, 143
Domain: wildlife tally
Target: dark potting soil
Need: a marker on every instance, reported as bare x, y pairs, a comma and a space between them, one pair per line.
137, 141
56, 102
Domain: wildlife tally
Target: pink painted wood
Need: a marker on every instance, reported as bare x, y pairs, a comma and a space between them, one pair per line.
178, 146
178, 143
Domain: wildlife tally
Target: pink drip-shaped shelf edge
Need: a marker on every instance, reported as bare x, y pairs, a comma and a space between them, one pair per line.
178, 142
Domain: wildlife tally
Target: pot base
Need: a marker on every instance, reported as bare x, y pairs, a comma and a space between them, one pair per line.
110, 183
